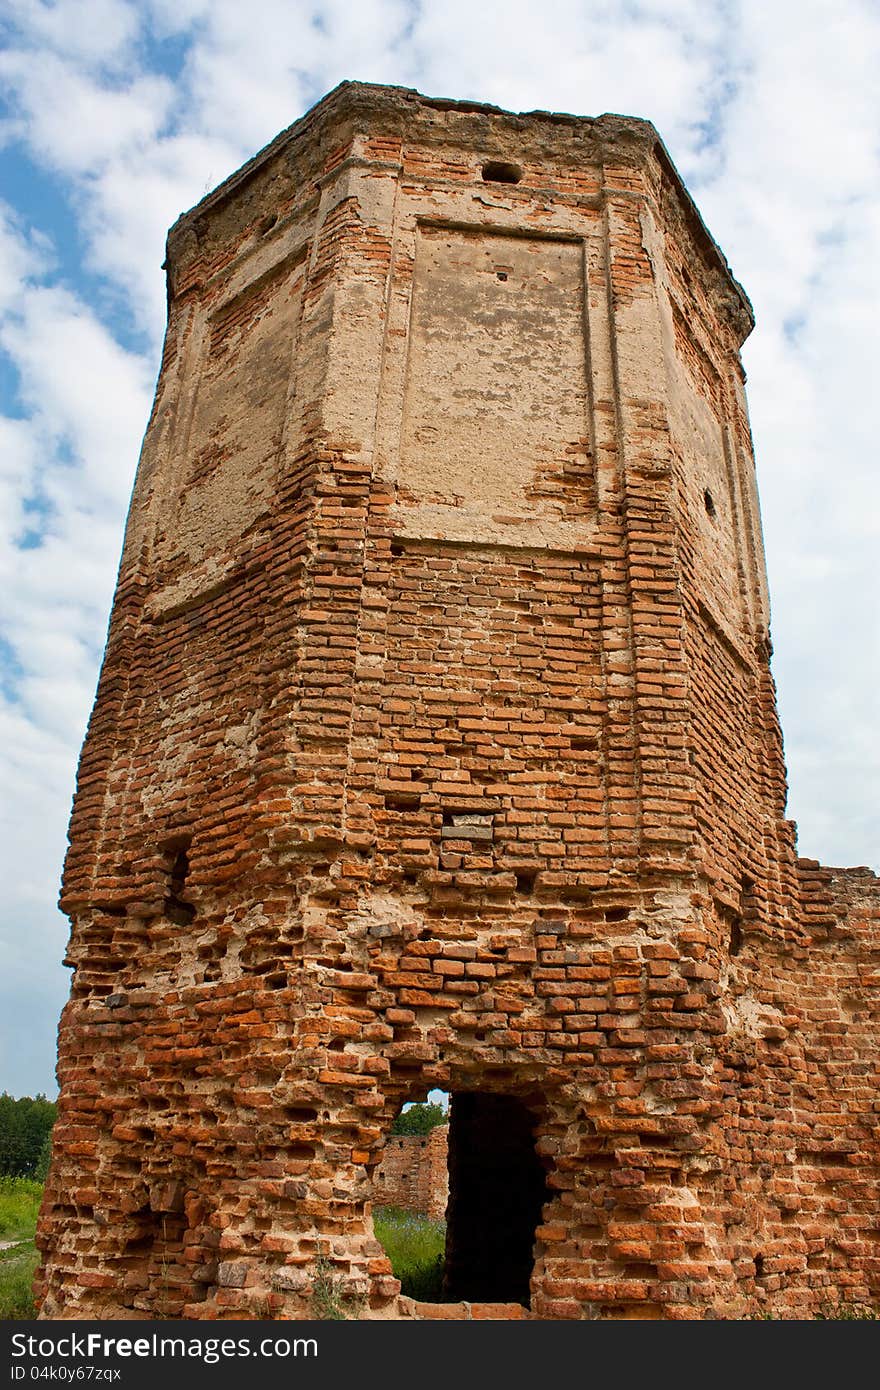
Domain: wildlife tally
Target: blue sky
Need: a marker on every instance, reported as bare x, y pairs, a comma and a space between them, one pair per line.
117, 115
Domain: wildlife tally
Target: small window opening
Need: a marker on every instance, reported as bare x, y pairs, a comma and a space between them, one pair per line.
467, 825
748, 903
176, 907
708, 502
499, 171
583, 743
747, 912
525, 880
759, 1266
501, 274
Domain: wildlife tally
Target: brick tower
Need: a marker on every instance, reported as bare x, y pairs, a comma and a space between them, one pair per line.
436, 746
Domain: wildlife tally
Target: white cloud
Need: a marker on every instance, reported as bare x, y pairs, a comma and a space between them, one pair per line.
88, 31
24, 253
132, 205
66, 466
81, 386
73, 120
796, 206
246, 80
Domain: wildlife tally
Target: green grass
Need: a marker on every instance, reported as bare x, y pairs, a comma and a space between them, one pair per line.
415, 1246
16, 1276
19, 1204
850, 1312
329, 1301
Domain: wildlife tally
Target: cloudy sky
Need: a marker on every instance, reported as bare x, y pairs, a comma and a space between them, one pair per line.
117, 115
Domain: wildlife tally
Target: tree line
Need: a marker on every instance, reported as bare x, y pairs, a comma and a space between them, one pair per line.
420, 1118
25, 1135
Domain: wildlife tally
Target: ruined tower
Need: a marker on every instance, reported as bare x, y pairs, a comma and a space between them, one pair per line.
436, 746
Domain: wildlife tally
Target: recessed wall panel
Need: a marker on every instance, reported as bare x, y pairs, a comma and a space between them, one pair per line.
228, 469
495, 407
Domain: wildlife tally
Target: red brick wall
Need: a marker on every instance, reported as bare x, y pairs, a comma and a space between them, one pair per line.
413, 1173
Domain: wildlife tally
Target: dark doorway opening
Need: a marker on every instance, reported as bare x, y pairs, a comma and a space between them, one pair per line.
497, 1189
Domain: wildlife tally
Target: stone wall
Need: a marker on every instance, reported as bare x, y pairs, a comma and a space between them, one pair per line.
436, 746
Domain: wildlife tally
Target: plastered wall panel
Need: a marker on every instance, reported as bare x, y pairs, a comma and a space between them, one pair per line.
495, 411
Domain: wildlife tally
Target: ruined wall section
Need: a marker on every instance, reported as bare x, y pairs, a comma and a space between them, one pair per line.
798, 1072
526, 307
835, 987
199, 524
413, 1173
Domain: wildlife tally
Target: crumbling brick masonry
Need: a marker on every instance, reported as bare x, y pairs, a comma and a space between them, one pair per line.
436, 746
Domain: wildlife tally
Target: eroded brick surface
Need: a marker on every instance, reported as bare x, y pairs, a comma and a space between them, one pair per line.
436, 746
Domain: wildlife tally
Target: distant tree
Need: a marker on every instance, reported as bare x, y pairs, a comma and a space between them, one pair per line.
25, 1124
41, 1171
420, 1118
